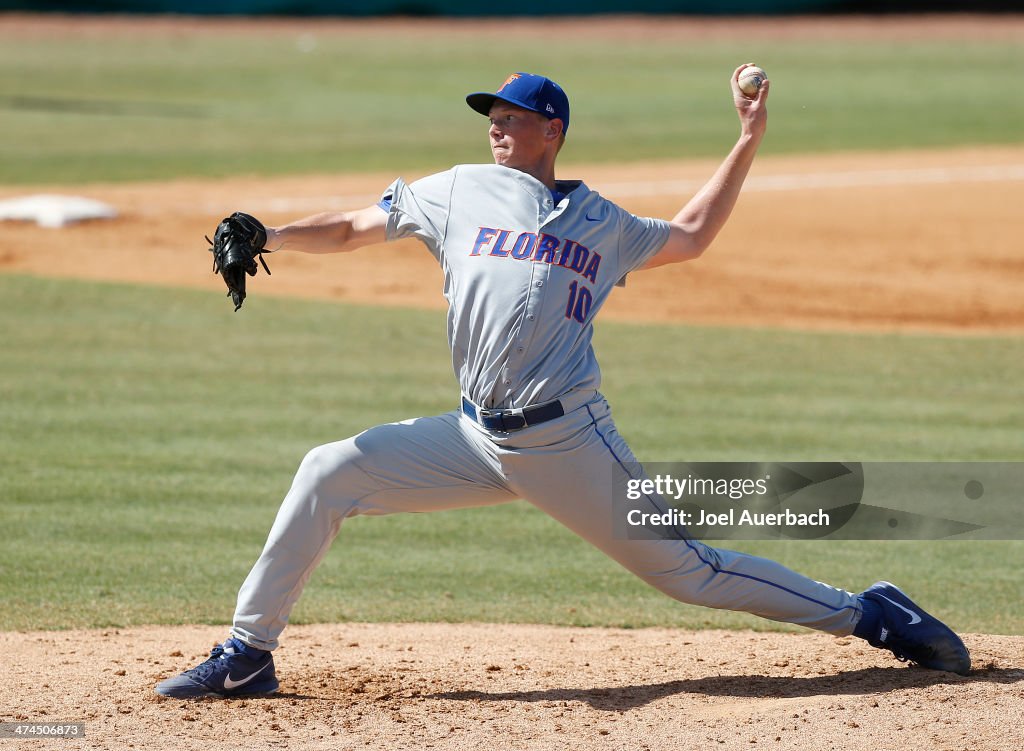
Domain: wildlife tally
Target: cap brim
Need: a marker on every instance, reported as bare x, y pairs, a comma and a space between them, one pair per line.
481, 101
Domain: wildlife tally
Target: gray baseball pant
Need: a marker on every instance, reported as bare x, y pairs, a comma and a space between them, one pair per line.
565, 467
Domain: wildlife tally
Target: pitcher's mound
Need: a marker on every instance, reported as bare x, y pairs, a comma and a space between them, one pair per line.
488, 687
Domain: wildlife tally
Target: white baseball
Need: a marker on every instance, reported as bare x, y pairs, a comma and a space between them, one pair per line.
750, 80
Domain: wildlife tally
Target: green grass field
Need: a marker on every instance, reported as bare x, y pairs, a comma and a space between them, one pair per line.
158, 105
143, 462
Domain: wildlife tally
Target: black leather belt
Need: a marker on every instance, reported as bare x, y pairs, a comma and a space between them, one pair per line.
510, 420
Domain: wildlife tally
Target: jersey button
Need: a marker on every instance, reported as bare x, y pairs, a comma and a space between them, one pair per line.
529, 317
540, 284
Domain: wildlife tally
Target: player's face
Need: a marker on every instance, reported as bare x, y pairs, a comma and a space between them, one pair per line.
519, 138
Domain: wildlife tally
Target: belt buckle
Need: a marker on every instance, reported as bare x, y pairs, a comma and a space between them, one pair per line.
508, 420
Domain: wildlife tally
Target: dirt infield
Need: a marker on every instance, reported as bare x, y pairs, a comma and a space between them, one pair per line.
441, 686
923, 240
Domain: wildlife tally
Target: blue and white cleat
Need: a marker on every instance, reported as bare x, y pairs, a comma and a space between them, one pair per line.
911, 634
229, 671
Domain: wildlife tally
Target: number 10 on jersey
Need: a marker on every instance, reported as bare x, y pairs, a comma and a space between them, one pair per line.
580, 300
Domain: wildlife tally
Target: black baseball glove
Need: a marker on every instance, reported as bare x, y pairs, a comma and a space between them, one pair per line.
238, 241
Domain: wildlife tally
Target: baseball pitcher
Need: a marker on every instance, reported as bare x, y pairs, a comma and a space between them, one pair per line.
528, 262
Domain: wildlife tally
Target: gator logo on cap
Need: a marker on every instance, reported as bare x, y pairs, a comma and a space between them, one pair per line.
509, 80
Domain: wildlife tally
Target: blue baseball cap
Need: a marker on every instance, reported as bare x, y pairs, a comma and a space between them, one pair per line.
531, 92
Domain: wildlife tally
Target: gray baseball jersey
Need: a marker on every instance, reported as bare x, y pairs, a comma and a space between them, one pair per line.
524, 278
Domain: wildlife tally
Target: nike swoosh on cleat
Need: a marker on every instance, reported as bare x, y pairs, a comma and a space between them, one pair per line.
230, 684
914, 617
